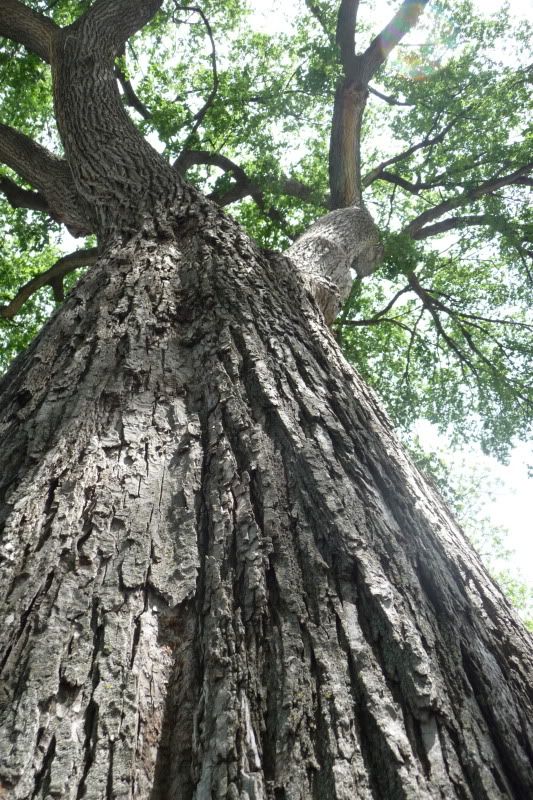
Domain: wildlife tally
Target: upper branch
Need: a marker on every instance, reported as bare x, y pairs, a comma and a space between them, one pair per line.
475, 193
112, 22
392, 101
454, 223
406, 18
428, 141
49, 174
28, 27
199, 116
129, 92
244, 185
315, 10
345, 34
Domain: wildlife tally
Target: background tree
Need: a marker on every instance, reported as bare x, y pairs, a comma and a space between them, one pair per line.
222, 578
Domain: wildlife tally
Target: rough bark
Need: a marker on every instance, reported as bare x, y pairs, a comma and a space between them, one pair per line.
343, 240
221, 578
23, 25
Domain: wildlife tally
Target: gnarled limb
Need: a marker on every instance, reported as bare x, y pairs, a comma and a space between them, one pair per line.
52, 277
120, 176
49, 174
343, 240
27, 27
244, 185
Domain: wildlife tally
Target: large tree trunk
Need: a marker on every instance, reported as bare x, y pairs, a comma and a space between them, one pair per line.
221, 578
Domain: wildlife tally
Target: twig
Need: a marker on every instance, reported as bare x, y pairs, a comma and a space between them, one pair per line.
199, 116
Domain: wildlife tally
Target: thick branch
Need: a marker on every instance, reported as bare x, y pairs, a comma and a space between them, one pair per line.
49, 174
29, 28
18, 197
345, 34
379, 49
344, 164
52, 277
351, 94
114, 21
475, 193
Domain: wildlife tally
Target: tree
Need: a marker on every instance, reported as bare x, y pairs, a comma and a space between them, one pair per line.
222, 576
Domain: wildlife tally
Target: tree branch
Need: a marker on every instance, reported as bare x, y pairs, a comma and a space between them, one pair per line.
52, 277
467, 196
27, 27
379, 316
18, 197
345, 33
379, 49
432, 306
114, 21
243, 187
199, 116
244, 184
392, 101
129, 93
190, 158
454, 223
317, 14
428, 141
49, 174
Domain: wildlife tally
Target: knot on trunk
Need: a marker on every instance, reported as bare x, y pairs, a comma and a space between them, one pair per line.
344, 240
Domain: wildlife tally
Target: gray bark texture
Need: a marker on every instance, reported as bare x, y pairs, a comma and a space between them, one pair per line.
221, 578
